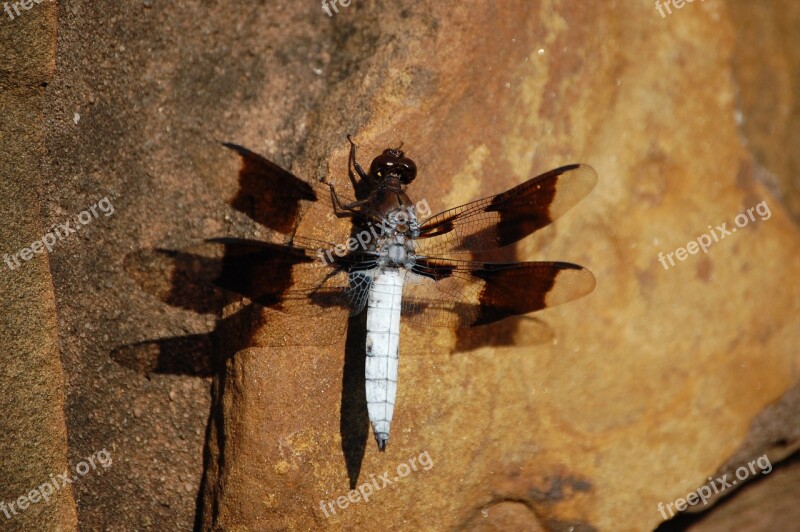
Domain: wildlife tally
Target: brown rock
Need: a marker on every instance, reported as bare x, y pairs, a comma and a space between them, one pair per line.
33, 437
661, 384
649, 385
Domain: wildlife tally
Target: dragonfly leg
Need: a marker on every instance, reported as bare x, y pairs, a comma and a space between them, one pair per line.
352, 163
344, 210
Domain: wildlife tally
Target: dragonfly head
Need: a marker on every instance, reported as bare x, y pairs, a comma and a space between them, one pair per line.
393, 163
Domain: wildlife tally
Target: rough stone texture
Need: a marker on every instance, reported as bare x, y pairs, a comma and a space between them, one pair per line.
33, 436
765, 64
656, 381
758, 505
661, 384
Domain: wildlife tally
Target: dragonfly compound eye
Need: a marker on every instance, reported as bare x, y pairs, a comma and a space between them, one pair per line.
394, 163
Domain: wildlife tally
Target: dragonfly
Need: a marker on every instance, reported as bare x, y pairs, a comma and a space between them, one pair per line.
400, 262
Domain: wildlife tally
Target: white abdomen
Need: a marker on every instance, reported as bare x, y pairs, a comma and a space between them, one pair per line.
383, 338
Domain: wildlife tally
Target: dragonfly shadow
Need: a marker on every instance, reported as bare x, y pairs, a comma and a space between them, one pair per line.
205, 354
202, 355
495, 334
353, 417
172, 278
523, 331
271, 197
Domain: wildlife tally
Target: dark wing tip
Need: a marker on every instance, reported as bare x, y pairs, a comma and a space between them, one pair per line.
382, 439
571, 283
235, 147
584, 173
567, 168
567, 266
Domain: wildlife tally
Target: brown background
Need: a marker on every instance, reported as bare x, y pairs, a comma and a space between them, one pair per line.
656, 381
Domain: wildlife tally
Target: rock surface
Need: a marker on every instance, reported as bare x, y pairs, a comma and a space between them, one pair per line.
662, 377
33, 431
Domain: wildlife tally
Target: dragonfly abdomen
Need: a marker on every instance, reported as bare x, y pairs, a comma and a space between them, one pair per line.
383, 339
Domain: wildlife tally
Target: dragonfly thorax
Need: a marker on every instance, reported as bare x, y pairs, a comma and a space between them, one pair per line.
396, 246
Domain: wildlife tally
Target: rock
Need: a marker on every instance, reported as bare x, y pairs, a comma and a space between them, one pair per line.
33, 432
670, 372
663, 379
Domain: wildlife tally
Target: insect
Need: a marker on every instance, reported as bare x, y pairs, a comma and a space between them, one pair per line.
397, 264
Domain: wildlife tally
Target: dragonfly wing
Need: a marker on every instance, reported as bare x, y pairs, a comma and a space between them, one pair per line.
452, 293
497, 221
